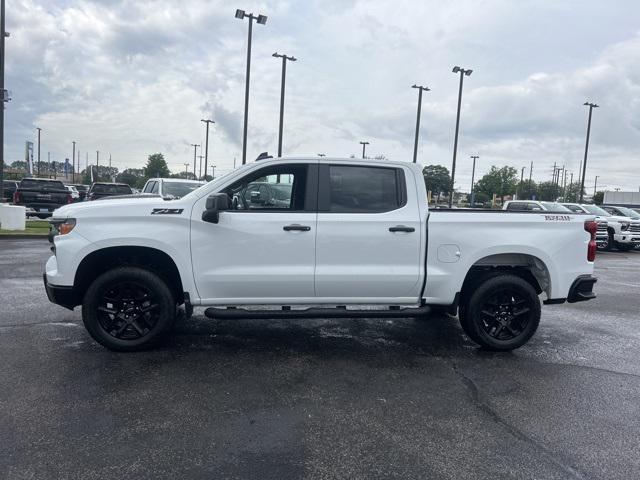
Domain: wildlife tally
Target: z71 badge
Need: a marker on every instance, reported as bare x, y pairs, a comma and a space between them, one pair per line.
167, 211
557, 218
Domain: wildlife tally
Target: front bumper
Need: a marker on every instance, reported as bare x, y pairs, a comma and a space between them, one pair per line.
582, 289
65, 296
627, 238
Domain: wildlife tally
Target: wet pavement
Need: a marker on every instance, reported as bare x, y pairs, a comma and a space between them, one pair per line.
319, 398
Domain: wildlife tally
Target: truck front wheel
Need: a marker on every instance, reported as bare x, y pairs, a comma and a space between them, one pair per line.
502, 313
128, 308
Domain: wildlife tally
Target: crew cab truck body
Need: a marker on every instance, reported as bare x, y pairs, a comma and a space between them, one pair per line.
42, 195
353, 233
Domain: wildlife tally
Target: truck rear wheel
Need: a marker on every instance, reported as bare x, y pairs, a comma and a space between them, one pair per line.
502, 314
128, 308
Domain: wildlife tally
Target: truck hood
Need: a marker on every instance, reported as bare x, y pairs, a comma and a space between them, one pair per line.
117, 206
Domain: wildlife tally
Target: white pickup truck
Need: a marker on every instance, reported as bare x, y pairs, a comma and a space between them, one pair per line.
352, 238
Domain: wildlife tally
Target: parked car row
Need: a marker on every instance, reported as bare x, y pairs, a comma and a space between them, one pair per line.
618, 227
42, 196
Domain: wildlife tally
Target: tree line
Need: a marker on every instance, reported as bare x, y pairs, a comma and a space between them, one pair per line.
503, 182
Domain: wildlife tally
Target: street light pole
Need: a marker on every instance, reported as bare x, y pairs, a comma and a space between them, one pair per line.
521, 181
282, 83
364, 145
415, 143
473, 176
595, 186
200, 165
195, 148
39, 130
262, 19
206, 144
462, 73
186, 170
73, 163
591, 106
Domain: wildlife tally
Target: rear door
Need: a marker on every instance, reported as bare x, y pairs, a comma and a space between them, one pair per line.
368, 235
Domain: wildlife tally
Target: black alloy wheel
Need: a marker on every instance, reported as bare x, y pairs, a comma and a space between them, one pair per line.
128, 308
502, 312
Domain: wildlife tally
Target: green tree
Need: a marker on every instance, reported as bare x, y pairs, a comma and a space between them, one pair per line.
134, 177
437, 180
500, 181
156, 166
101, 173
19, 165
527, 190
598, 198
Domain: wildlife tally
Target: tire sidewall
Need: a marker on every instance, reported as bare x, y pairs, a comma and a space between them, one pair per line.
490, 287
95, 292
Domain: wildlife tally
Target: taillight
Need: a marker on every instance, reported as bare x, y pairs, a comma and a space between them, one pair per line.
591, 226
69, 198
17, 197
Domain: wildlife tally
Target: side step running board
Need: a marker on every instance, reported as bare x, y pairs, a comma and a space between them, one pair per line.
238, 313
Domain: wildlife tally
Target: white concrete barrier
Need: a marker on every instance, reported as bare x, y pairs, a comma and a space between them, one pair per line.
13, 217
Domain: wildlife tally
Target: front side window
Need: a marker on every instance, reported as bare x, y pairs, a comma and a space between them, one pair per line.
356, 189
281, 187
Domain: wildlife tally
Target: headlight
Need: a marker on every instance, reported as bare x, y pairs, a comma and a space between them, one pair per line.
624, 226
62, 226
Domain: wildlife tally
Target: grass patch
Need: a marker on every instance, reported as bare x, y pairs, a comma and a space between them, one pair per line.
34, 227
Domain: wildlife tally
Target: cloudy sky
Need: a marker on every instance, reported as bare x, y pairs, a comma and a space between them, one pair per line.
134, 77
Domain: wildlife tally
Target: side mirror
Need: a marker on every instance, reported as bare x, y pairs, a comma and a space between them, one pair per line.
216, 203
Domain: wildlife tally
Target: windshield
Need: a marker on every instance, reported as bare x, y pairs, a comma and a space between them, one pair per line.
596, 210
555, 207
179, 189
41, 184
574, 208
111, 189
628, 212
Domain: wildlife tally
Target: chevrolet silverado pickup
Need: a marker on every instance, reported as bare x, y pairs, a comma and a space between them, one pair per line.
354, 239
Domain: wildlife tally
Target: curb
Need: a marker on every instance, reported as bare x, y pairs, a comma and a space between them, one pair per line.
22, 236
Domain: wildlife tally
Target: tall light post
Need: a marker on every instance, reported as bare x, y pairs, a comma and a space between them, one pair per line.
73, 163
200, 166
530, 181
462, 73
473, 176
262, 20
591, 106
39, 130
186, 170
364, 145
595, 186
206, 144
521, 181
195, 151
282, 83
3, 34
415, 143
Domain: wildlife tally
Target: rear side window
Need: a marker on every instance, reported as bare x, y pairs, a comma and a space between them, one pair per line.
154, 187
149, 186
111, 189
517, 206
355, 189
42, 184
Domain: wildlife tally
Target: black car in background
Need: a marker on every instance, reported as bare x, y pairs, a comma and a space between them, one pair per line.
42, 195
101, 190
10, 186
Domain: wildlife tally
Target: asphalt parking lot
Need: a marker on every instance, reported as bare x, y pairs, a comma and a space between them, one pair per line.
319, 398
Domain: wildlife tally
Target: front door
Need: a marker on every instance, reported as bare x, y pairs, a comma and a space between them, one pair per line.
263, 248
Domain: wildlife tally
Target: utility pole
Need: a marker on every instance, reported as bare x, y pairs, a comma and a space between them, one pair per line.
462, 73
195, 148
364, 145
200, 167
262, 20
415, 143
591, 106
206, 144
39, 130
73, 163
595, 186
186, 170
3, 34
282, 83
97, 160
521, 183
473, 175
530, 181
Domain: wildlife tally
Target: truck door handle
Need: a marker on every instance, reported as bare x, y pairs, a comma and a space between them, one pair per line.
401, 228
296, 227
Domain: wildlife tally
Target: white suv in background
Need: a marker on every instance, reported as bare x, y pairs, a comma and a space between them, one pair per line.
171, 188
624, 233
534, 206
604, 225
